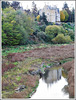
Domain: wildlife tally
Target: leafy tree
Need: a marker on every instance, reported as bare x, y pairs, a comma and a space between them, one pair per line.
38, 18
5, 4
65, 6
12, 36
44, 18
62, 16
16, 27
66, 15
34, 9
73, 15
15, 5
70, 15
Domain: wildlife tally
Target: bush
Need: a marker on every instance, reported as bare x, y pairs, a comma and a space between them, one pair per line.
42, 36
60, 38
62, 29
71, 34
68, 39
42, 27
53, 30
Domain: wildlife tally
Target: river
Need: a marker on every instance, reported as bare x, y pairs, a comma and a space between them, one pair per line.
51, 85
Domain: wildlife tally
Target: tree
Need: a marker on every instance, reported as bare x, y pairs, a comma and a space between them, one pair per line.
15, 5
5, 4
66, 15
44, 18
73, 15
65, 6
62, 16
70, 15
38, 18
16, 27
34, 9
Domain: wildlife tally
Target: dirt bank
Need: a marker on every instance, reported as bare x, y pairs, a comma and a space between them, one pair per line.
69, 67
53, 53
15, 67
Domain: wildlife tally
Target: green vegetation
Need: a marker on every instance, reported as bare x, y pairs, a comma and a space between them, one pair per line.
60, 38
67, 15
62, 16
16, 27
15, 49
66, 60
22, 31
16, 77
52, 31
21, 28
15, 63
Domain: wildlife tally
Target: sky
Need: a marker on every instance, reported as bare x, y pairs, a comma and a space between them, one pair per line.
40, 4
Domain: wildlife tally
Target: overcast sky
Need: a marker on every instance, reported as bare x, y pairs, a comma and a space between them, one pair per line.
40, 4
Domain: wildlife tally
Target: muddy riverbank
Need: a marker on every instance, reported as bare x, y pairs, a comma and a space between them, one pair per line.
16, 67
69, 67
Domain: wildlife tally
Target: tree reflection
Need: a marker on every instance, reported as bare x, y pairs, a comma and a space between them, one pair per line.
51, 76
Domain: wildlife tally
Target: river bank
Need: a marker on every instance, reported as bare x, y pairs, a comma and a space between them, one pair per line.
69, 67
16, 67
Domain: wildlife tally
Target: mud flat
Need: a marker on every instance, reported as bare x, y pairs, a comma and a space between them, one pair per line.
16, 66
69, 67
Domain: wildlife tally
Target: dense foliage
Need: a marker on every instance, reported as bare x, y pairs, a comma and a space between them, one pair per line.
20, 27
62, 16
16, 26
60, 38
5, 4
66, 14
34, 9
52, 30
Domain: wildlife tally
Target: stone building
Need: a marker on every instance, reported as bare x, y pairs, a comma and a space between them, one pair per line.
52, 13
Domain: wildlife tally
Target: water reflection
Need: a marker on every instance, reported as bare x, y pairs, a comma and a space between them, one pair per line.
51, 76
51, 85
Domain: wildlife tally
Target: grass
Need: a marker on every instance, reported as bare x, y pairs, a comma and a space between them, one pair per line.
66, 60
23, 48
33, 89
16, 77
61, 61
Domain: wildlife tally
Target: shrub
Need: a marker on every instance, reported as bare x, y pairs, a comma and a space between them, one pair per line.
68, 39
60, 38
62, 29
42, 27
52, 30
71, 34
42, 36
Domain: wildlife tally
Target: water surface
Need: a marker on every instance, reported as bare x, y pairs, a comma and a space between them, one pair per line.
51, 85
